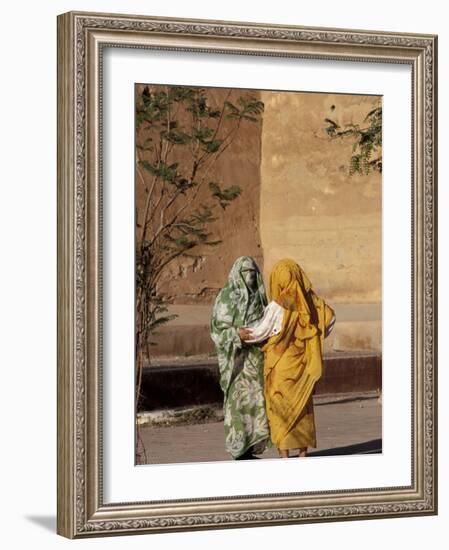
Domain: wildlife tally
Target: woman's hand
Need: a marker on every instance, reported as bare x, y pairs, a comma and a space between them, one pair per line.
245, 334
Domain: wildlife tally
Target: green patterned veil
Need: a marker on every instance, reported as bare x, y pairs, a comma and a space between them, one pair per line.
240, 303
237, 305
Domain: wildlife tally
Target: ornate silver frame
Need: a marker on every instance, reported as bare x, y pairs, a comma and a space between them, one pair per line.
81, 37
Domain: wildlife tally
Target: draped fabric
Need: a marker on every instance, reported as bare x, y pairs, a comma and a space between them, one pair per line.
294, 357
269, 325
240, 303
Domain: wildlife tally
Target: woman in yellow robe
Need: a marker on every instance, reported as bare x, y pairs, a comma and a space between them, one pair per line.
294, 358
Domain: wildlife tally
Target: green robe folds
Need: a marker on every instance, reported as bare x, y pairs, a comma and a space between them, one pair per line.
240, 303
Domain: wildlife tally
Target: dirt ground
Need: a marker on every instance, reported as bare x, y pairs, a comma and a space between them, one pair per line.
348, 426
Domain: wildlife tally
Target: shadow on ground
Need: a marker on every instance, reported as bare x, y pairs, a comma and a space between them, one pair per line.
368, 447
46, 522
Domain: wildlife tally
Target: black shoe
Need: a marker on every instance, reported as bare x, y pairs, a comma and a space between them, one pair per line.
247, 455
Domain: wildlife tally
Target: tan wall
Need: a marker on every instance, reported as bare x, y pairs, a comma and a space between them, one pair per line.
298, 201
198, 280
311, 209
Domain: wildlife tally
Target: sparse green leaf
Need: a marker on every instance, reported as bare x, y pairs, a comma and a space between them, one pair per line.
367, 141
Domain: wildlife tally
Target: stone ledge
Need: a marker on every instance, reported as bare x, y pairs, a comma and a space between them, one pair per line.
184, 384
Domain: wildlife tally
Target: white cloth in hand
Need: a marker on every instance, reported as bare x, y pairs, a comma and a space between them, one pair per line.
269, 325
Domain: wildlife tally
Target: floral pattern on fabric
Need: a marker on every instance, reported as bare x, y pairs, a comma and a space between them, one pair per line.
241, 302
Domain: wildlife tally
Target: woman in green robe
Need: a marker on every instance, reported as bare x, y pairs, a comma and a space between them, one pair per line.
240, 303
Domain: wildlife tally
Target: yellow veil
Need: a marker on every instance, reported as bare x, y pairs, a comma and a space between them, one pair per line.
298, 346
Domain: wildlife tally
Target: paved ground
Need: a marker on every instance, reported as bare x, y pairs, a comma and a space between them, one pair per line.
348, 426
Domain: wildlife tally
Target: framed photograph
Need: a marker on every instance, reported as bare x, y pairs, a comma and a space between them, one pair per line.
246, 274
